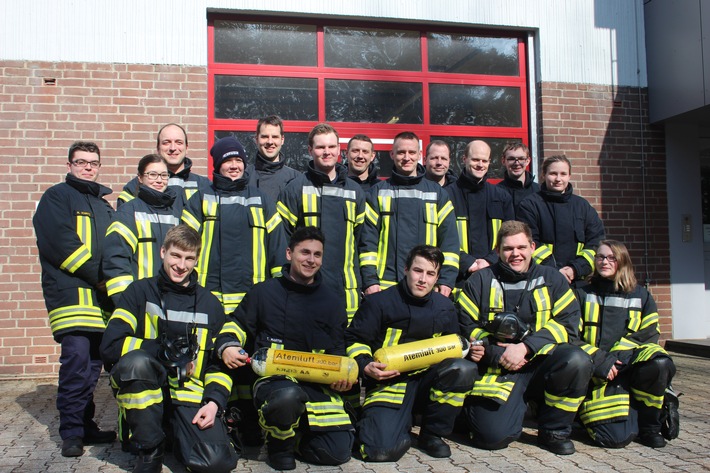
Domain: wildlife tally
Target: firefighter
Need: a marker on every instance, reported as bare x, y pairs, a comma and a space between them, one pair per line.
407, 312
632, 373
70, 224
565, 227
404, 211
134, 238
517, 180
527, 316
171, 144
158, 347
295, 312
361, 156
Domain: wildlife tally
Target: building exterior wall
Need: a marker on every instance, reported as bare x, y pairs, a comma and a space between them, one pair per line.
602, 129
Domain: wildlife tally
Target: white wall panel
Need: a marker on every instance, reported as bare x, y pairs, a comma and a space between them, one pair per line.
579, 41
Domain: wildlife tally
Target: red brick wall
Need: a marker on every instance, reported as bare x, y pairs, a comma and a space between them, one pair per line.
118, 106
121, 107
618, 164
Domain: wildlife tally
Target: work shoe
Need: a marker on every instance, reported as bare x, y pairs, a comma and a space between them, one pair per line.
94, 436
434, 446
555, 442
282, 461
72, 447
670, 418
652, 439
150, 461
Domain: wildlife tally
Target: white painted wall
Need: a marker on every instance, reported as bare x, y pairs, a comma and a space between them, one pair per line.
579, 41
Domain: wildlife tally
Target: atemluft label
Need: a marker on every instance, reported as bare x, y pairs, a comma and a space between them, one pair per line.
311, 360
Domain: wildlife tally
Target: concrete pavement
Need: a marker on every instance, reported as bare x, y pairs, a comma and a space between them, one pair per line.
29, 441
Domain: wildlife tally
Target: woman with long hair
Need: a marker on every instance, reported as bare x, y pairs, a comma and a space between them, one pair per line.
565, 227
631, 371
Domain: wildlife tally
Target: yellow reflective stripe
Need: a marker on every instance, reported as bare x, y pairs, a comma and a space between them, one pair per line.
190, 220
140, 400
451, 259
273, 222
209, 216
74, 261
432, 223
542, 252
648, 399
234, 329
557, 330
274, 431
589, 349
122, 230
496, 303
602, 407
84, 230
371, 214
444, 211
368, 259
543, 304
80, 315
150, 326
649, 320
286, 213
388, 394
357, 349
327, 414
591, 319
568, 404
310, 198
118, 284
202, 335
490, 387
145, 249
384, 284
127, 317
478, 334
352, 302
495, 227
392, 336
349, 242
634, 320
451, 398
562, 303
222, 379
385, 203
130, 344
648, 352
624, 344
462, 227
587, 254
230, 301
468, 306
184, 395
125, 196
258, 249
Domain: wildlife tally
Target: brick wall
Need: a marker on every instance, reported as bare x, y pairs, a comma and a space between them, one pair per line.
618, 164
118, 106
44, 107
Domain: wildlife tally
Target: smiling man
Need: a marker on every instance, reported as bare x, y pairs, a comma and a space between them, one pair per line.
407, 312
404, 211
517, 180
325, 198
437, 160
480, 209
361, 168
269, 172
159, 340
541, 366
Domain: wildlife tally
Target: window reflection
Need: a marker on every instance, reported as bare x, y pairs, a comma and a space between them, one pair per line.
264, 43
255, 97
458, 149
372, 49
373, 101
295, 147
474, 105
463, 54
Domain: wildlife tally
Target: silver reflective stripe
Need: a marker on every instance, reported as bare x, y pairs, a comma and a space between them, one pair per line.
177, 315
339, 192
408, 194
612, 301
156, 218
180, 182
240, 200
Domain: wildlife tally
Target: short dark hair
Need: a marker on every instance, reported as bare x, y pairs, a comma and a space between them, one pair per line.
157, 140
513, 227
430, 253
184, 237
437, 143
273, 120
305, 233
360, 138
87, 146
513, 145
405, 135
149, 159
321, 129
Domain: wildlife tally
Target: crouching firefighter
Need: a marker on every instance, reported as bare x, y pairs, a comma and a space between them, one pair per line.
527, 315
408, 312
158, 347
294, 312
630, 393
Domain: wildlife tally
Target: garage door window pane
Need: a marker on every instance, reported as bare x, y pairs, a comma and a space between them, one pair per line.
372, 49
264, 43
241, 97
373, 101
475, 105
462, 54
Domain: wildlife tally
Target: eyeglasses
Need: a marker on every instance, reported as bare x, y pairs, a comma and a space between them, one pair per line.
610, 258
81, 163
515, 159
153, 176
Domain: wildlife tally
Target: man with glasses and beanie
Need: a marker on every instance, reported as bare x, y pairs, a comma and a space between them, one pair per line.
70, 223
517, 180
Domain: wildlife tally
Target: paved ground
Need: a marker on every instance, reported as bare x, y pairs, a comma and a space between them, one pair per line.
29, 441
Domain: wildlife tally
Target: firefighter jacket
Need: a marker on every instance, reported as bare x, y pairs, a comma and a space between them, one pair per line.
154, 309
403, 212
371, 179
616, 326
134, 239
393, 317
565, 227
519, 190
185, 183
243, 240
270, 177
338, 209
480, 209
541, 297
70, 224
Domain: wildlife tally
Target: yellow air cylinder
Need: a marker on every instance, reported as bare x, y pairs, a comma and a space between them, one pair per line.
422, 353
304, 366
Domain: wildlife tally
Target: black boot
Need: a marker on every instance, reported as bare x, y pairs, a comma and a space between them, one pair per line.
150, 461
433, 445
555, 441
281, 453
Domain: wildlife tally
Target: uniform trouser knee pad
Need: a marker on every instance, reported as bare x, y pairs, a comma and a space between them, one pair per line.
282, 406
572, 371
331, 448
456, 375
654, 376
138, 365
494, 444
393, 454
